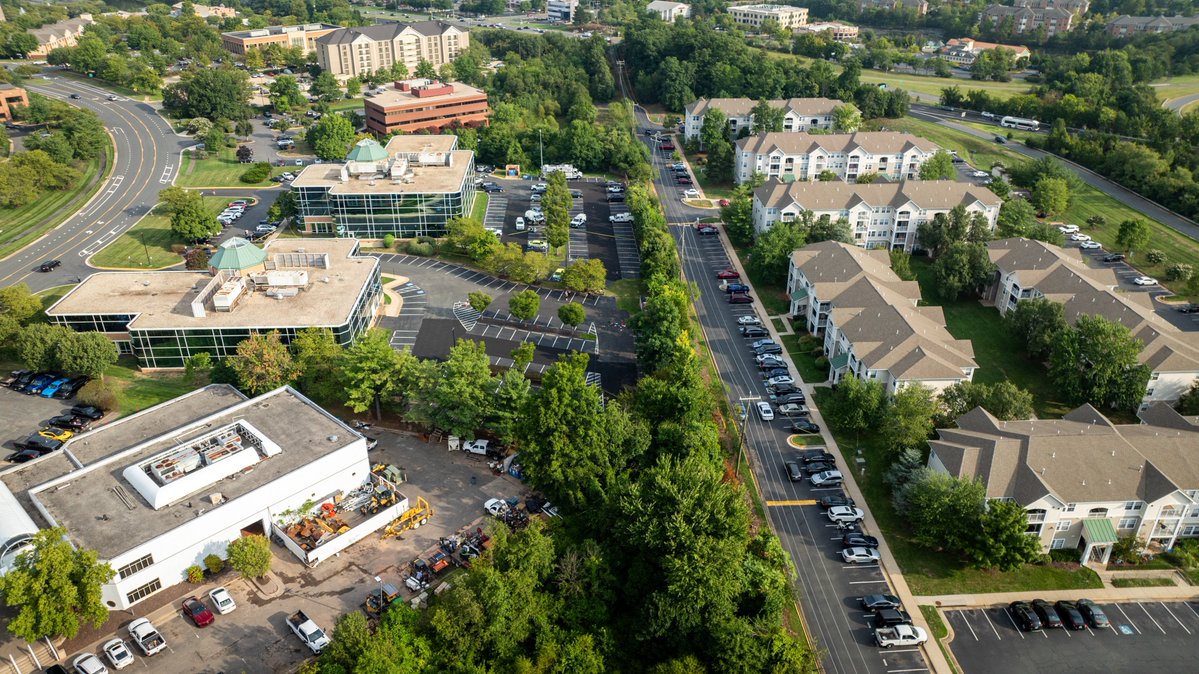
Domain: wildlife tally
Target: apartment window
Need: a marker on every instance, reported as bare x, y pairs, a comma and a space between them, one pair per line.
1057, 544
1134, 505
144, 591
135, 566
1190, 530
1070, 507
1097, 512
1194, 512
1064, 525
1128, 523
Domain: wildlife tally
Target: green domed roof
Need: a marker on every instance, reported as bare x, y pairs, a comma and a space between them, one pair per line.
367, 150
237, 253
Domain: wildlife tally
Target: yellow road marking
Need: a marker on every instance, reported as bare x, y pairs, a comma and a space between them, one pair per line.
792, 503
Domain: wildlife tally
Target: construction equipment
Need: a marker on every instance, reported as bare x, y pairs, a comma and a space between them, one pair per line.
380, 598
411, 519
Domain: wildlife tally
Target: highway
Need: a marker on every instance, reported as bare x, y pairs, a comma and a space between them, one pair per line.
147, 158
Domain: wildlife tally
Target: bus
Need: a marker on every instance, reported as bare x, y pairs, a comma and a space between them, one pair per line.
1019, 123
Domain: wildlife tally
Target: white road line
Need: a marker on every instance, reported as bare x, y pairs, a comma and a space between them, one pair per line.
1188, 605
1130, 622
867, 582
1175, 618
1151, 617
968, 625
897, 671
992, 624
1009, 617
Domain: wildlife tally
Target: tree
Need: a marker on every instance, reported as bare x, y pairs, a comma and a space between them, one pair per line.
250, 555
469, 236
714, 138
1051, 196
262, 363
325, 87
827, 176
479, 300
943, 511
572, 314
1004, 400
1037, 323
285, 93
426, 70
1095, 361
331, 137
1188, 403
938, 167
353, 87
192, 221
198, 368
767, 118
37, 345
556, 203
88, 353
963, 266
245, 154
827, 229
585, 276
213, 93
373, 371
846, 118
459, 397
316, 357
908, 420
19, 302
55, 588
1001, 541
524, 304
1133, 235
901, 264
1017, 217
772, 251
857, 405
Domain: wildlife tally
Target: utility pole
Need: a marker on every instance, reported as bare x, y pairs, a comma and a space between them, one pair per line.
744, 418
541, 147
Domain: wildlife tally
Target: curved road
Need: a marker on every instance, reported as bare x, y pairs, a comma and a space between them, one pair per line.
1177, 104
147, 157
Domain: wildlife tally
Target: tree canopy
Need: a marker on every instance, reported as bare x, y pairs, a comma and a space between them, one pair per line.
55, 588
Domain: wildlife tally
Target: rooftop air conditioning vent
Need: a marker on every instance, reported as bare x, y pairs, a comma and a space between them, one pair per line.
332, 438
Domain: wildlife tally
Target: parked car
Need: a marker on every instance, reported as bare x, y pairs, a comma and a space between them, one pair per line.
222, 600
690, 194
804, 426
1090, 245
845, 514
827, 478
1145, 281
1078, 236
706, 230
52, 388
38, 383
740, 299
69, 421
1114, 257
791, 399
616, 197
578, 221
118, 653
88, 411
748, 320
762, 350
1024, 616
1070, 615
793, 410
727, 274
1188, 308
753, 331
21, 381
1047, 614
890, 617
762, 342
199, 614
735, 288
781, 389
765, 412
768, 360
25, 455
557, 275
49, 265
834, 500
777, 371
784, 379
819, 467
56, 433
876, 602
816, 456
793, 472
1093, 614
860, 556
38, 442
492, 188
88, 663
856, 539
620, 217
684, 180
69, 389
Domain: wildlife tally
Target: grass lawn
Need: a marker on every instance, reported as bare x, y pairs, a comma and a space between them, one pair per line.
147, 245
978, 152
1142, 582
930, 572
931, 85
479, 210
711, 188
1175, 87
997, 350
51, 295
628, 295
221, 171
346, 104
804, 361
138, 390
772, 296
114, 88
19, 226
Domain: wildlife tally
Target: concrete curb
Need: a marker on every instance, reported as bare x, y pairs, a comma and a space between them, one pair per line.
1104, 594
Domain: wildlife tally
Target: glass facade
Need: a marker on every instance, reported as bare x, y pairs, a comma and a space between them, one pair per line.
372, 215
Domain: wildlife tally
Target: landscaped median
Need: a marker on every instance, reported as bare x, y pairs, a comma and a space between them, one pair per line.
150, 244
223, 170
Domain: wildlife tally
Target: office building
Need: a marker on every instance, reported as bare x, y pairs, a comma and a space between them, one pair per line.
561, 11
165, 317
425, 106
800, 114
669, 11
841, 32
11, 97
287, 37
754, 16
354, 52
410, 188
802, 156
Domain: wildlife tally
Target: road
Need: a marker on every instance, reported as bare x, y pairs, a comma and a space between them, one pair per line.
147, 157
1177, 104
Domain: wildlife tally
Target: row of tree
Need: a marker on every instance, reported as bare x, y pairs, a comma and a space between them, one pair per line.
52, 158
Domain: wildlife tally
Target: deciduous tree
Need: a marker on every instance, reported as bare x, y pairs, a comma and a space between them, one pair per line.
846, 118
572, 314
285, 93
479, 300
556, 203
19, 302
317, 356
524, 304
373, 371
857, 405
55, 588
962, 267
1037, 323
585, 276
1133, 235
250, 555
262, 363
1051, 196
37, 345
459, 397
767, 118
1001, 541
908, 420
331, 137
87, 353
938, 167
1095, 361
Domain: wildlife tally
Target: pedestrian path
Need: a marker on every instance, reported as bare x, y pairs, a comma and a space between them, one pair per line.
1107, 594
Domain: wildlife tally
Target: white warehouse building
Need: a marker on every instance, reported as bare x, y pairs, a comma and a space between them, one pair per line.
156, 492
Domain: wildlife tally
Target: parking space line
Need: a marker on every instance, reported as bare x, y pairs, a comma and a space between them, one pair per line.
1009, 617
992, 624
1188, 605
1175, 618
897, 671
970, 627
867, 582
1151, 617
1130, 622
800, 502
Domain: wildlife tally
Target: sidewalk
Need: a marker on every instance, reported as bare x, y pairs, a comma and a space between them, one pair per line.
1115, 594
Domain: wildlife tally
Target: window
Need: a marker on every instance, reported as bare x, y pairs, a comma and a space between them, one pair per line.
144, 591
1057, 544
1064, 525
135, 566
1190, 530
1194, 512
1070, 507
1134, 505
1128, 523
1097, 512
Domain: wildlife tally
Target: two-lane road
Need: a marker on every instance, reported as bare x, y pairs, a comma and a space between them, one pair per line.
147, 158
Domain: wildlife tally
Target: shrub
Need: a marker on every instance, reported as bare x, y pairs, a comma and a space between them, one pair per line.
1155, 256
250, 555
214, 563
1180, 271
195, 574
256, 173
98, 393
415, 247
1063, 555
389, 240
572, 314
822, 362
524, 304
479, 300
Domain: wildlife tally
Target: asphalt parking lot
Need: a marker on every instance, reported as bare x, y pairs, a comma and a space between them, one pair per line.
1144, 637
1125, 272
21, 415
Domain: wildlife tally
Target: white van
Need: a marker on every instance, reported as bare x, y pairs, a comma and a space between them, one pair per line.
520, 224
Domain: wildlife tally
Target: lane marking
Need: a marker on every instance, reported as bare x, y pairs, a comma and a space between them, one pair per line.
991, 623
867, 582
1009, 617
1175, 617
1151, 617
968, 625
800, 502
1130, 622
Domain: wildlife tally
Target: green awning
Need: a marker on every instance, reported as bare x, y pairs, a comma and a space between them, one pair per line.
787, 178
1099, 531
799, 295
839, 362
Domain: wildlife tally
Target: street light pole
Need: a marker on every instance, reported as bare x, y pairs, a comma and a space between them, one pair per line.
744, 418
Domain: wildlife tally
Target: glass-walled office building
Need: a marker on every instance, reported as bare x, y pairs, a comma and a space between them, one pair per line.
410, 188
165, 317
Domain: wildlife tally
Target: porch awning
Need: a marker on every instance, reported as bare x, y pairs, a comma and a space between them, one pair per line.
839, 362
799, 294
1099, 531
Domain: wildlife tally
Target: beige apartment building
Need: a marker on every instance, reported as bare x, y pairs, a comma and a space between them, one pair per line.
350, 52
59, 34
755, 15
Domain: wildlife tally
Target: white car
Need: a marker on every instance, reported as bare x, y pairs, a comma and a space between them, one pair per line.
1080, 237
118, 654
845, 514
499, 232
988, 115
614, 189
765, 412
827, 478
539, 188
111, 97
496, 506
781, 379
89, 664
980, 174
691, 193
621, 217
1145, 281
1090, 245
860, 555
748, 320
535, 197
534, 215
288, 176
520, 224
1067, 229
476, 447
793, 410
767, 356
222, 601
578, 220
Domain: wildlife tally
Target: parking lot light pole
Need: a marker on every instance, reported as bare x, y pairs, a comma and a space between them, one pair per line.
744, 419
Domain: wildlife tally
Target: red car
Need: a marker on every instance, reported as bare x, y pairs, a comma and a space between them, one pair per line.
728, 274
740, 299
684, 180
666, 147
723, 202
198, 612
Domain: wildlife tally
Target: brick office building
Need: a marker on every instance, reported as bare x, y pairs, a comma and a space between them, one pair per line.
426, 106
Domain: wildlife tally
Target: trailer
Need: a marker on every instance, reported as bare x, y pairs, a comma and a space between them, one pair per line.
568, 170
411, 519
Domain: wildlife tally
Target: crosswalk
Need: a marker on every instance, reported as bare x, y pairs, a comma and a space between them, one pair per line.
576, 245
412, 314
497, 208
627, 254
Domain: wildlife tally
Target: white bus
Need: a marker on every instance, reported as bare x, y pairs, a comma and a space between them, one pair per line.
1019, 123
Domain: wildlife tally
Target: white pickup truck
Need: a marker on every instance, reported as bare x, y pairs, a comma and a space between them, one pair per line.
304, 627
148, 640
900, 635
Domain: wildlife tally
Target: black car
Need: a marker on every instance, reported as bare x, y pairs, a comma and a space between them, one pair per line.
818, 467
617, 198
771, 363
49, 265
25, 455
22, 381
1047, 614
1024, 616
38, 442
890, 617
795, 398
1094, 615
1000, 139
766, 349
776, 372
76, 97
793, 472
1114, 257
876, 602
782, 389
1070, 615
88, 411
834, 500
753, 331
816, 455
1188, 308
859, 540
492, 188
70, 422
804, 426
69, 389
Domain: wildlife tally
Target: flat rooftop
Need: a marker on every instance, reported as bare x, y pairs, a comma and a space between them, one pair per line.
163, 299
280, 30
445, 172
394, 98
90, 506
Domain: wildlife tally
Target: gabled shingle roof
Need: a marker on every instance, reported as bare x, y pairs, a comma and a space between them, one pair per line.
834, 195
385, 31
740, 107
872, 142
